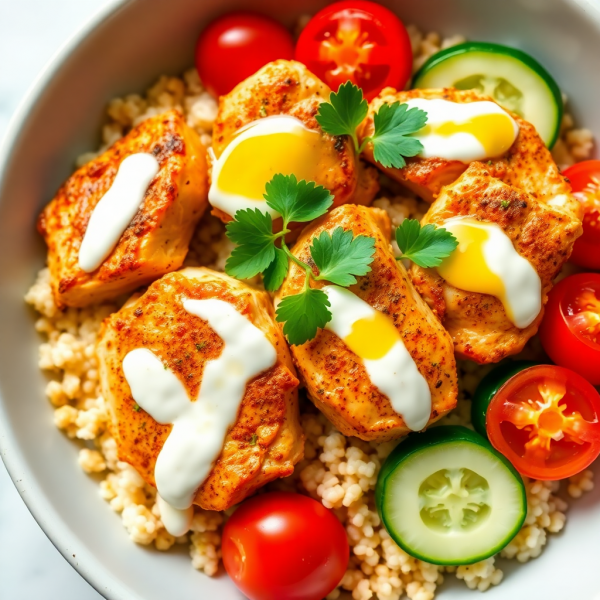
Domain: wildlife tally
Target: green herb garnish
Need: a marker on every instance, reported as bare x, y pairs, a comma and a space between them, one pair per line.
200, 346
340, 257
253, 439
303, 314
426, 246
393, 125
344, 112
136, 407
505, 203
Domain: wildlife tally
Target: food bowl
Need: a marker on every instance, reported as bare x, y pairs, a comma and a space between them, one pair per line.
123, 49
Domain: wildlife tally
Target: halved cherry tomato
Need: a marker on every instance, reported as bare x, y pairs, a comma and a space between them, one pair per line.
235, 46
357, 41
546, 421
488, 387
283, 546
585, 181
570, 330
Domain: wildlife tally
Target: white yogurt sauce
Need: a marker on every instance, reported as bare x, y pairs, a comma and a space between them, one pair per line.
242, 186
116, 209
177, 522
395, 374
464, 131
200, 427
521, 291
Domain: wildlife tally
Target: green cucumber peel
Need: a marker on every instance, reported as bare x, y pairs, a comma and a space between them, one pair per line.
491, 51
458, 439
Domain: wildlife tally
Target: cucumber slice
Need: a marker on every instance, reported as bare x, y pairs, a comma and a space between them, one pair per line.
447, 497
488, 387
511, 77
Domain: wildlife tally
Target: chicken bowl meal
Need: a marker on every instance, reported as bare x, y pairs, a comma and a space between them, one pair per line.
324, 309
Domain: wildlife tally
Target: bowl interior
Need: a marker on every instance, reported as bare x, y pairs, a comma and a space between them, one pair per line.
126, 47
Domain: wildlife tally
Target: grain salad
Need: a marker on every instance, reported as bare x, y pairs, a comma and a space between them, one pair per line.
339, 471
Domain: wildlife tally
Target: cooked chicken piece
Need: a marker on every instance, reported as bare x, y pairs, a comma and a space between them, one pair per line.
541, 232
528, 164
266, 441
289, 88
156, 241
336, 378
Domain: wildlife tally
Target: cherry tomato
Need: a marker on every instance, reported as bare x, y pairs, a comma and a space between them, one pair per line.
488, 387
545, 420
585, 181
359, 41
235, 46
284, 546
570, 330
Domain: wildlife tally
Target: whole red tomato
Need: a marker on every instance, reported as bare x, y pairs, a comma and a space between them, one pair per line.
585, 181
235, 46
284, 546
358, 41
570, 330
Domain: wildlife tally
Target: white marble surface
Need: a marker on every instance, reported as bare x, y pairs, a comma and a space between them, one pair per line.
30, 32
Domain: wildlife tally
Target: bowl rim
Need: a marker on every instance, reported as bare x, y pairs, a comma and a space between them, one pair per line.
16, 466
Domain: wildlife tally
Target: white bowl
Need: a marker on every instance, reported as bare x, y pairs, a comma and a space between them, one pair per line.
123, 49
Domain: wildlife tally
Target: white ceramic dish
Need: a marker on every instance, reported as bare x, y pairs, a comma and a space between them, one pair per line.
124, 48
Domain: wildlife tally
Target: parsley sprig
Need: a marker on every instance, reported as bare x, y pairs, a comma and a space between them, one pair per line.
339, 257
426, 246
393, 125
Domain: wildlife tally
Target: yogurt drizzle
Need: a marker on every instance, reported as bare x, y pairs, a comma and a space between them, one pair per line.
116, 209
496, 128
230, 202
395, 374
200, 427
522, 284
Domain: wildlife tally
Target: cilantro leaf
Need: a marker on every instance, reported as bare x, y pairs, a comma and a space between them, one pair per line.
344, 112
275, 273
426, 246
407, 233
252, 231
303, 314
298, 201
392, 124
341, 256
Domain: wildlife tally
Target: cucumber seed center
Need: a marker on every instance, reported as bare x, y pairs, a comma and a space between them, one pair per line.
454, 500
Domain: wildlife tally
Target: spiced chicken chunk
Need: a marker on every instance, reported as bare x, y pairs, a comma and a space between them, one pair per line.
265, 440
526, 164
384, 364
527, 228
267, 125
158, 198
